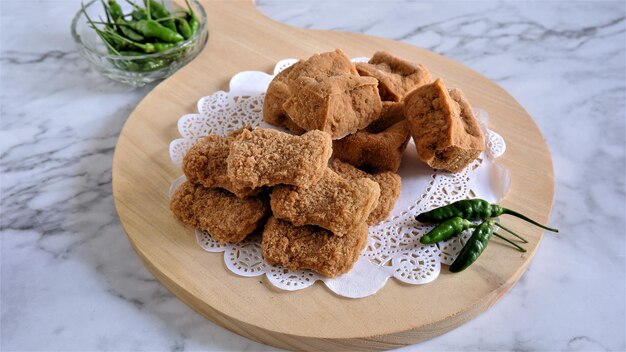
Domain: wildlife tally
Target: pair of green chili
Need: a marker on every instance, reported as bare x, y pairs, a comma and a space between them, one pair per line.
146, 30
457, 217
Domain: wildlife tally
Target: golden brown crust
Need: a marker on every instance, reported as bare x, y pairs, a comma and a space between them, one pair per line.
446, 133
390, 184
339, 105
396, 76
311, 247
265, 157
277, 93
323, 65
205, 163
374, 151
225, 217
333, 203
392, 112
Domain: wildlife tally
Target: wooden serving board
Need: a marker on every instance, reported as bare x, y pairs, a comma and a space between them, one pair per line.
241, 39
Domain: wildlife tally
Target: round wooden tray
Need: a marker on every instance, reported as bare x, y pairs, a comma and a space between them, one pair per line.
314, 318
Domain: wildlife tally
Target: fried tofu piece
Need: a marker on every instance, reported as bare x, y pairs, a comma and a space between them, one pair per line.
339, 105
397, 77
323, 65
311, 247
277, 93
333, 203
227, 218
265, 157
374, 151
446, 133
390, 184
392, 112
205, 163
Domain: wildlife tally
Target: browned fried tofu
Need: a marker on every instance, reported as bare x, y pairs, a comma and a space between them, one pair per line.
374, 151
323, 65
389, 182
392, 112
227, 218
446, 133
312, 247
333, 203
277, 93
397, 77
205, 163
339, 105
265, 157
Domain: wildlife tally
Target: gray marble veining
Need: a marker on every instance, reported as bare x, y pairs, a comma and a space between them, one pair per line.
70, 280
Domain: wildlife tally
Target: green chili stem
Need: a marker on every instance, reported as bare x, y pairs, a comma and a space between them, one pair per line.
148, 10
510, 242
524, 217
98, 31
512, 233
133, 5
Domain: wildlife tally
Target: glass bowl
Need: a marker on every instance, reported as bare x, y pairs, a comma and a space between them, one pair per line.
141, 69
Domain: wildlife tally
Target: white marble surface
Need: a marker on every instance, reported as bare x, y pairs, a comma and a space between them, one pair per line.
70, 280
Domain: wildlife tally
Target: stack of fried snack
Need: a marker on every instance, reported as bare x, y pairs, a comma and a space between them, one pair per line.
313, 211
372, 118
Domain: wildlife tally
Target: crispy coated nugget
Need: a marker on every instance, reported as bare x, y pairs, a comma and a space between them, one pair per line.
392, 112
277, 93
389, 182
397, 77
333, 203
311, 247
339, 105
446, 133
374, 151
323, 65
205, 163
225, 217
265, 157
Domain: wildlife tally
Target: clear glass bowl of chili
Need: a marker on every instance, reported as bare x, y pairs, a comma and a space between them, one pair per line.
136, 70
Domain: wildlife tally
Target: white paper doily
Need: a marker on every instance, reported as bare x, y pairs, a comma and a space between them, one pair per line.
393, 248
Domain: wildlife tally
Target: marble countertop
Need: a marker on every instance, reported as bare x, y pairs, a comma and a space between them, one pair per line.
71, 281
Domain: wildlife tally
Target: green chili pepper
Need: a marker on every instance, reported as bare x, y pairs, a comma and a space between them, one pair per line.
145, 47
193, 20
159, 11
115, 10
139, 15
183, 28
163, 46
153, 65
474, 247
446, 230
152, 29
129, 32
473, 209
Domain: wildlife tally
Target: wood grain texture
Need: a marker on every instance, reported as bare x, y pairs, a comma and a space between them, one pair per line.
312, 319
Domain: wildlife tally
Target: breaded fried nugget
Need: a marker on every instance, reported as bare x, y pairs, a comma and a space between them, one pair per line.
205, 163
277, 93
446, 133
391, 113
339, 105
374, 151
225, 217
397, 77
333, 203
265, 157
311, 247
389, 182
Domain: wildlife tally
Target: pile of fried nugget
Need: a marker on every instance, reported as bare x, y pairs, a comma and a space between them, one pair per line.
312, 193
